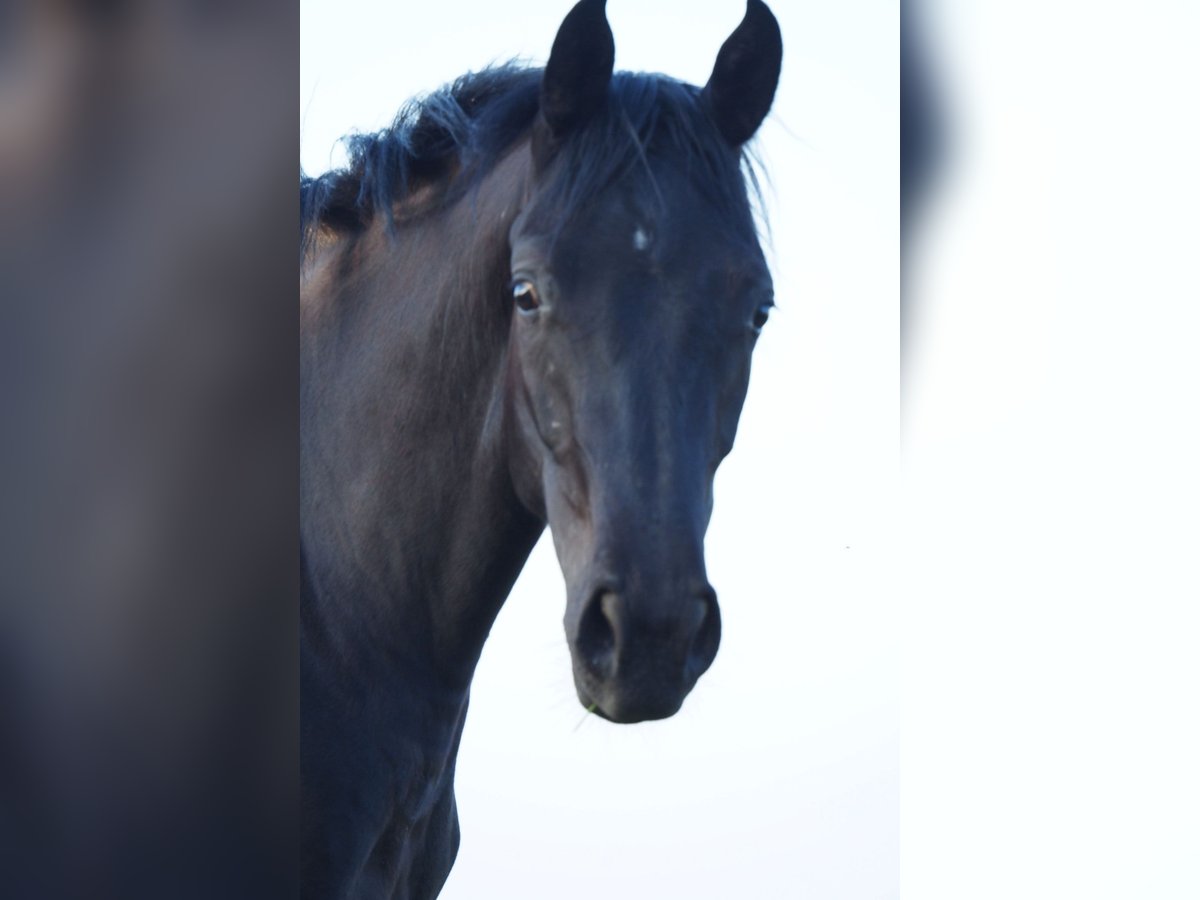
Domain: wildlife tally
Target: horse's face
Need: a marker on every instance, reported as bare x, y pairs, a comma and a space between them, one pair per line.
631, 341
633, 326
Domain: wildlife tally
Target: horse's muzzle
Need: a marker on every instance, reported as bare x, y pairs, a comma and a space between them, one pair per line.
637, 658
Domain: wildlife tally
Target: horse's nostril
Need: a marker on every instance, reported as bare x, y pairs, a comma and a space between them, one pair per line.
597, 638
707, 636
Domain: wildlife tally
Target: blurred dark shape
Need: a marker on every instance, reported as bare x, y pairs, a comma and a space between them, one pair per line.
148, 364
921, 144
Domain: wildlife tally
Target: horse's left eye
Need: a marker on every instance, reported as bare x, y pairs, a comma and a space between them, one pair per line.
760, 317
525, 296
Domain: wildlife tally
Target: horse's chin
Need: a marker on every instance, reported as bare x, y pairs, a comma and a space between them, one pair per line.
618, 704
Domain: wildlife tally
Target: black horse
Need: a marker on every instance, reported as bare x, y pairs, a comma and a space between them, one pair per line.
531, 301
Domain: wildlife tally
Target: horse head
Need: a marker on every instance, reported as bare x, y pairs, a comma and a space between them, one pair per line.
638, 292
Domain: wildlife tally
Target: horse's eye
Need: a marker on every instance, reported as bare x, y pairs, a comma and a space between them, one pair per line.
760, 317
525, 295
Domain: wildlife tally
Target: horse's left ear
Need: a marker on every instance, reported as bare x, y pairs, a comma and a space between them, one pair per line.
575, 83
743, 81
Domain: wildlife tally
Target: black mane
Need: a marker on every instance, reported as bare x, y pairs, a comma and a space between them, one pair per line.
471, 122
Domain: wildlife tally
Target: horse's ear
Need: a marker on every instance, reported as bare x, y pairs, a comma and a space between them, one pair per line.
743, 81
575, 83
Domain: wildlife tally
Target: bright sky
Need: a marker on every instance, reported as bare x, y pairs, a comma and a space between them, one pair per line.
780, 776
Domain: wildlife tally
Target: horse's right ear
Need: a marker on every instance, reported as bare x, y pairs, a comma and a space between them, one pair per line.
575, 83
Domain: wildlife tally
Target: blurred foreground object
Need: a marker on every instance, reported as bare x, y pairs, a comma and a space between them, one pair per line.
1051, 447
147, 389
921, 137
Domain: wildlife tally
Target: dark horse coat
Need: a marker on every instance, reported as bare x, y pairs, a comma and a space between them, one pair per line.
531, 301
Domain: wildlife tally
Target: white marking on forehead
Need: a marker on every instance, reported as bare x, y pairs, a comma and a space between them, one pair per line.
641, 240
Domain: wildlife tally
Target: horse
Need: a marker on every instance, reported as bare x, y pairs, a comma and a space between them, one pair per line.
532, 301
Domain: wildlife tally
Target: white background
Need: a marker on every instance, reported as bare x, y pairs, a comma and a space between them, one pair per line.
1051, 507
779, 778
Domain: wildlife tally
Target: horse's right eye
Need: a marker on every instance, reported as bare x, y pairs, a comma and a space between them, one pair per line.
525, 296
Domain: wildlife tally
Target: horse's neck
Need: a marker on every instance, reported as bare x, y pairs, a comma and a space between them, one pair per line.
413, 533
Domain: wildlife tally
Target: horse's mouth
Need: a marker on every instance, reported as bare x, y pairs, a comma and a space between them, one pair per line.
588, 703
595, 710
622, 706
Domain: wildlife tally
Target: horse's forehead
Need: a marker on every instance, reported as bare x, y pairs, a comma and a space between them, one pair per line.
642, 254
658, 223
645, 224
